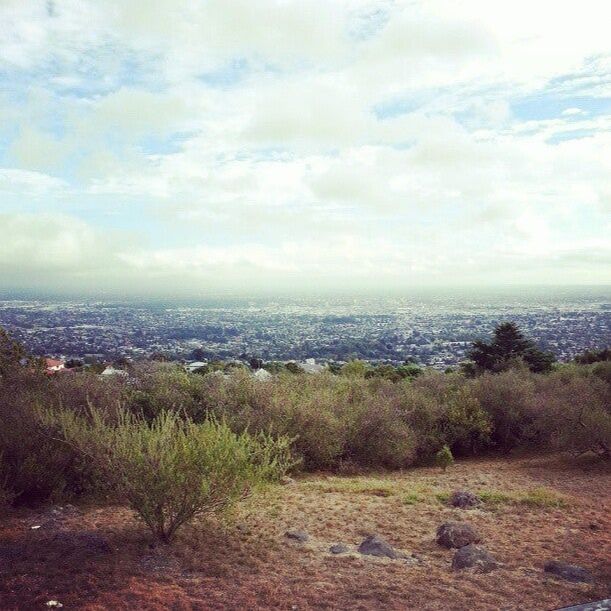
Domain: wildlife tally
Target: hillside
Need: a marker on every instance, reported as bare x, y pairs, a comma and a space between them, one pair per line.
534, 510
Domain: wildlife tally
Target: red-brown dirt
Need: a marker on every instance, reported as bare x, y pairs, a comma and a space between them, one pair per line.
248, 564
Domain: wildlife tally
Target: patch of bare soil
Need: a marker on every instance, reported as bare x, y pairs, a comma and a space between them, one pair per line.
539, 509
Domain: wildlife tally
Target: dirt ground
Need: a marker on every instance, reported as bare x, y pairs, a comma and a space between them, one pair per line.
539, 509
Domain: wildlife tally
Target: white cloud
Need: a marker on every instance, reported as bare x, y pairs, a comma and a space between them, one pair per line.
288, 137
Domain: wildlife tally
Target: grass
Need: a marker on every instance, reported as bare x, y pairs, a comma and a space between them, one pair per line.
536, 497
246, 563
374, 487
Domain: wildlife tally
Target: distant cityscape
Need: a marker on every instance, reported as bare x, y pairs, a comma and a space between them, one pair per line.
435, 331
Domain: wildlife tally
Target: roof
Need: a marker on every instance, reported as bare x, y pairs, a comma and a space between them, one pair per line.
53, 363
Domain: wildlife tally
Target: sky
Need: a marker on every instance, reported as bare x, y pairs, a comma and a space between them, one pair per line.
202, 147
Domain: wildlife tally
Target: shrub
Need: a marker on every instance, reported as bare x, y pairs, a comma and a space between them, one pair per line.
465, 424
444, 458
171, 470
509, 400
381, 437
34, 465
575, 413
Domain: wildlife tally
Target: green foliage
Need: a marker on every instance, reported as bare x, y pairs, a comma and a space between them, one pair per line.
444, 458
172, 469
593, 356
11, 352
508, 347
355, 369
465, 425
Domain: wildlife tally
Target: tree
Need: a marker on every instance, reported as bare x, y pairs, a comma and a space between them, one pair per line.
508, 346
11, 353
593, 356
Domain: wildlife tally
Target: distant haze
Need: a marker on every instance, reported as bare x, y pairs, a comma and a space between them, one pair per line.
186, 149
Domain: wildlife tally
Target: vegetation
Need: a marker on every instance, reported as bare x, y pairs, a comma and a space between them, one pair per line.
172, 469
508, 346
444, 458
160, 437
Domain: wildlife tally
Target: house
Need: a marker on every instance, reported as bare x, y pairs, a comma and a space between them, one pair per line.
262, 375
53, 366
310, 366
111, 371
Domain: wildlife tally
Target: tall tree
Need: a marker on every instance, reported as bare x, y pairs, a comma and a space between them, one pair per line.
509, 345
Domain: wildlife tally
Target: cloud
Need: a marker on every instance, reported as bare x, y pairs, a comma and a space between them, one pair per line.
242, 144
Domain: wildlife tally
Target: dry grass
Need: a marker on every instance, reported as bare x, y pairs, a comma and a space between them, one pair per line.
537, 509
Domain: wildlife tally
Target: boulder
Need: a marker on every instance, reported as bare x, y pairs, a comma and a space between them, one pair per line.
377, 546
464, 499
339, 548
570, 572
297, 535
474, 557
457, 534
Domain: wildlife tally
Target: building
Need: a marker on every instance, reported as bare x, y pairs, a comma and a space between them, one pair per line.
53, 366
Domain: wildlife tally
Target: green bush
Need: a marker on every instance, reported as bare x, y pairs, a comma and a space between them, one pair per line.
465, 424
171, 469
444, 458
34, 465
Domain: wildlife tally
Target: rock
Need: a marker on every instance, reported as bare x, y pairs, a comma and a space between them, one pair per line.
287, 481
474, 557
599, 605
457, 534
570, 572
297, 535
339, 548
88, 542
376, 546
464, 499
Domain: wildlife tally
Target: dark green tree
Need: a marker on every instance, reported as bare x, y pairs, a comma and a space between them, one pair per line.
11, 353
508, 346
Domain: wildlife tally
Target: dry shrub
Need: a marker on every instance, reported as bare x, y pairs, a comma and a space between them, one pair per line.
509, 400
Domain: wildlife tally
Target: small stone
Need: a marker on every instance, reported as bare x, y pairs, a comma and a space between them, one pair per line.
377, 546
569, 572
54, 604
474, 557
457, 534
287, 481
339, 548
464, 499
297, 535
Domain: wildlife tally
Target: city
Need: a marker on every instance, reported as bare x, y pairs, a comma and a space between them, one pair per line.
434, 332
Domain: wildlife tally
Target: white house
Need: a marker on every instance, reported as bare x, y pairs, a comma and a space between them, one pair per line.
262, 375
311, 366
191, 367
111, 371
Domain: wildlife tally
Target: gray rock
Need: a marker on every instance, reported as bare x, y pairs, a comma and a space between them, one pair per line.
287, 481
598, 605
297, 535
457, 534
464, 499
570, 572
474, 557
377, 546
339, 548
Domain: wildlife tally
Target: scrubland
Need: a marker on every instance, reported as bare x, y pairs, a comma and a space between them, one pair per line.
92, 467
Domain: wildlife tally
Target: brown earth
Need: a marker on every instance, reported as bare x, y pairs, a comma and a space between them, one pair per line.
249, 564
